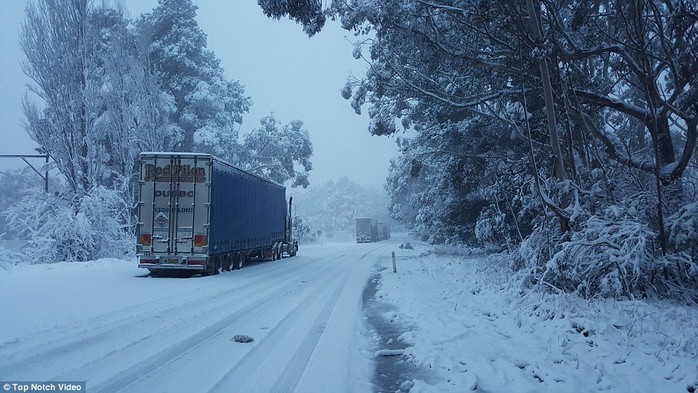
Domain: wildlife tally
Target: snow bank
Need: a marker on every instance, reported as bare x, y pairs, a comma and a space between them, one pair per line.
475, 330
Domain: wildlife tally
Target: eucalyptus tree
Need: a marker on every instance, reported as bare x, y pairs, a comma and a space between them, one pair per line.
335, 205
55, 42
280, 152
207, 108
94, 107
97, 104
595, 98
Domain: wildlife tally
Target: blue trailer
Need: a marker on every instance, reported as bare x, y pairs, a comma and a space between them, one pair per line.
199, 213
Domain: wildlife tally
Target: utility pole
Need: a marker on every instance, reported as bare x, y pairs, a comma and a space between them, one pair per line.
24, 158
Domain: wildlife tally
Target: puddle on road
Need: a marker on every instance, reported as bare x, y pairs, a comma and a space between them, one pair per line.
391, 373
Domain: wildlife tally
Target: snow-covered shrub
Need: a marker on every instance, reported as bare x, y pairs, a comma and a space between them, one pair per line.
615, 253
535, 251
491, 228
300, 229
8, 257
59, 228
406, 246
683, 230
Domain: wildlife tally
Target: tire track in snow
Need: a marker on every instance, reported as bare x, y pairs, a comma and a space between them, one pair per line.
57, 347
292, 373
237, 378
114, 321
253, 363
170, 354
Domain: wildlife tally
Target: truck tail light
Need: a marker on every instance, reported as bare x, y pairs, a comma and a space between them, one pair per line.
196, 262
148, 261
200, 240
145, 239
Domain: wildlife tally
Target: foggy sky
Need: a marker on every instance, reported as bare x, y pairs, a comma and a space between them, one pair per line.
283, 71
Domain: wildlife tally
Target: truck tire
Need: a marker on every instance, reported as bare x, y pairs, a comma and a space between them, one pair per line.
236, 261
227, 261
217, 265
212, 267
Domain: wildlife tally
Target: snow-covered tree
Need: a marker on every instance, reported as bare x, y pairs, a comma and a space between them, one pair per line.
208, 109
97, 103
130, 113
55, 42
334, 206
280, 152
591, 107
308, 13
206, 105
97, 108
16, 185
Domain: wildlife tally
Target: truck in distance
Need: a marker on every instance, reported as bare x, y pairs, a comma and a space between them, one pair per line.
201, 214
365, 229
370, 230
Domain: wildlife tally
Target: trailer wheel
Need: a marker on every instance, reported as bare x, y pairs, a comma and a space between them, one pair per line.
294, 248
218, 265
226, 262
212, 267
279, 251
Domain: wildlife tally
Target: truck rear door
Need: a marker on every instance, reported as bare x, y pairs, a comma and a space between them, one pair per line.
174, 212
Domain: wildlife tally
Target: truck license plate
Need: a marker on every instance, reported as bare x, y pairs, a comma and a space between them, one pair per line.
172, 261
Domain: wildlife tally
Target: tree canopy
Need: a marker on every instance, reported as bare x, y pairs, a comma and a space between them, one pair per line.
562, 131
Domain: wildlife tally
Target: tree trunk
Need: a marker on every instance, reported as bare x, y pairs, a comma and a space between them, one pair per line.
548, 94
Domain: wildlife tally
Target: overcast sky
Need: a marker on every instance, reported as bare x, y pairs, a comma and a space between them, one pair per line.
283, 71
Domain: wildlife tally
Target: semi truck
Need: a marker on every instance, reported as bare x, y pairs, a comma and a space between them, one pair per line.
369, 230
365, 229
199, 213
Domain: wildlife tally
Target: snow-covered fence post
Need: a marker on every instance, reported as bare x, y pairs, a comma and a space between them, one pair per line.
394, 265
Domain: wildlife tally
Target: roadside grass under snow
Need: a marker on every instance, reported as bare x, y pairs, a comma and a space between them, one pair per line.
473, 328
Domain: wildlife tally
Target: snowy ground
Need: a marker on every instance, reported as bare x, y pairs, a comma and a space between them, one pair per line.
107, 323
459, 328
470, 332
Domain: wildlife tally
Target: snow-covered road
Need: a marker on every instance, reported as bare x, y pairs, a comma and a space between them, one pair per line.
107, 323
